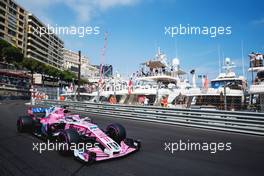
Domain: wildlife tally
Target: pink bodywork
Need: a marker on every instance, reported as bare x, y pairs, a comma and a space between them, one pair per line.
54, 117
100, 155
88, 129
84, 127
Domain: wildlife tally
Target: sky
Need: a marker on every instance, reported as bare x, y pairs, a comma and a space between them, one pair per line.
136, 28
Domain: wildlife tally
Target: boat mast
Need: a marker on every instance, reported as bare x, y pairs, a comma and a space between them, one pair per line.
242, 57
219, 59
102, 59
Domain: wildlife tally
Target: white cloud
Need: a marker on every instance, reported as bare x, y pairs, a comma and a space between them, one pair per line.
259, 21
84, 9
105, 4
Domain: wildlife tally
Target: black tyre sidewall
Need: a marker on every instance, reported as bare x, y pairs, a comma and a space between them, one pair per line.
24, 124
68, 136
117, 132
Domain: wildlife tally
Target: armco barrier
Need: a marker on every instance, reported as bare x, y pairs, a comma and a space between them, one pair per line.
242, 122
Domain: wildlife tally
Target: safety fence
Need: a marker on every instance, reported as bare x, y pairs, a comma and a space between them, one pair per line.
241, 122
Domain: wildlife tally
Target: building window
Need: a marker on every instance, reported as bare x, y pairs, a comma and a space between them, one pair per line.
2, 5
12, 26
12, 11
21, 10
2, 20
21, 17
13, 33
2, 12
12, 4
2, 35
2, 27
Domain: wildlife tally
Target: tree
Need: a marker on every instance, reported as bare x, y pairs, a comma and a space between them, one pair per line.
3, 44
67, 76
12, 55
84, 81
30, 65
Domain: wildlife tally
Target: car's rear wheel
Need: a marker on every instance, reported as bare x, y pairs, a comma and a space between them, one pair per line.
24, 124
116, 131
67, 138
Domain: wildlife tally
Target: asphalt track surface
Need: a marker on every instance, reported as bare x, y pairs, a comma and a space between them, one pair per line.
18, 158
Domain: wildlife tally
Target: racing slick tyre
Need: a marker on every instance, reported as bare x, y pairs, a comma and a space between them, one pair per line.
24, 124
67, 138
116, 131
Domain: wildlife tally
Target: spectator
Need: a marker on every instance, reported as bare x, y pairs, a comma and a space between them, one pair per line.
141, 99
146, 101
112, 100
164, 101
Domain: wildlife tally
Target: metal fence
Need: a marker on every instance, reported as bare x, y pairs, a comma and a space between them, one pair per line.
242, 122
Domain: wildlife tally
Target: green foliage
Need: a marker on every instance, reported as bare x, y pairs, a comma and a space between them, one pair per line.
68, 76
11, 54
30, 64
83, 81
35, 66
3, 44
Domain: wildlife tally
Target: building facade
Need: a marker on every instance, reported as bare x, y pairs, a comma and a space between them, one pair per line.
71, 63
44, 47
12, 23
22, 29
71, 60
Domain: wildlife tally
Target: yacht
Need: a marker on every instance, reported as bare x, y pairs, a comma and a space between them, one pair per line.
155, 79
256, 90
227, 91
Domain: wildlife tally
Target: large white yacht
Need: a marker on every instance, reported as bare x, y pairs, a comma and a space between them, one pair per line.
227, 91
256, 90
155, 79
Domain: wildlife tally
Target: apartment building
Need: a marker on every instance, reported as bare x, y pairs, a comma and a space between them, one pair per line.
71, 62
45, 47
12, 23
18, 27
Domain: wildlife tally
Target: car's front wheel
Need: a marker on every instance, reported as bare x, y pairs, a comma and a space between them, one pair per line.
116, 131
67, 138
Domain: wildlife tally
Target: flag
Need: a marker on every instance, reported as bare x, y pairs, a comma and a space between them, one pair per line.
206, 82
130, 86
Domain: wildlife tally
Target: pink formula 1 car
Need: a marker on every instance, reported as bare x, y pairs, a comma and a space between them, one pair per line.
78, 136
